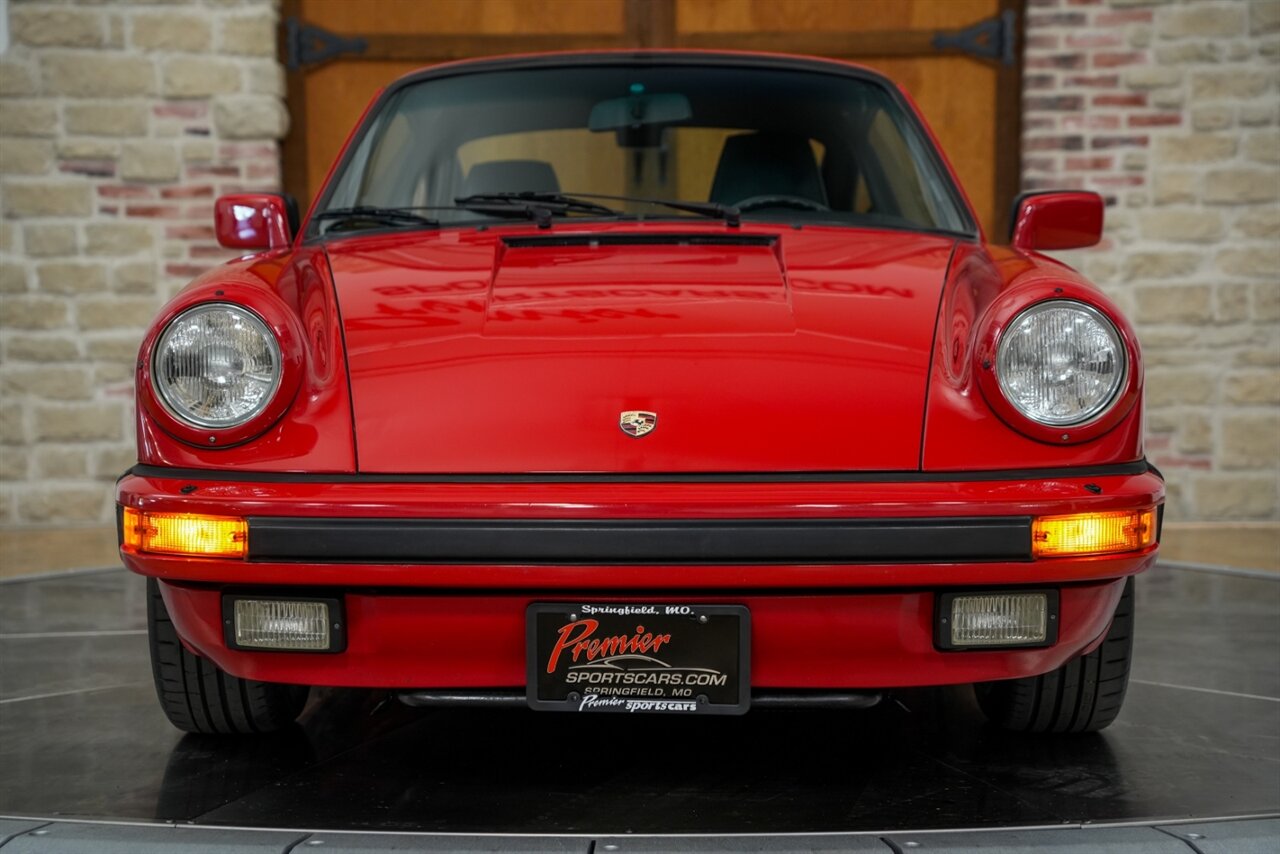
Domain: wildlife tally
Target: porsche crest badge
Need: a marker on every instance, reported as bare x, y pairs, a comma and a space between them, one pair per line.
636, 423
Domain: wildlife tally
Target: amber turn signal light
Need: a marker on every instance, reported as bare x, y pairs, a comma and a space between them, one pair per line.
1093, 533
193, 534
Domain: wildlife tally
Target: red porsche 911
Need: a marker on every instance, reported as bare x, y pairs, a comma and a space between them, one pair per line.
664, 382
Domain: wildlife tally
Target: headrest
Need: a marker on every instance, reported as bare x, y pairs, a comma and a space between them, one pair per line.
510, 176
766, 164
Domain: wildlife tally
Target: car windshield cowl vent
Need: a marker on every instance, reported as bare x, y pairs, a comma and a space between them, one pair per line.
671, 239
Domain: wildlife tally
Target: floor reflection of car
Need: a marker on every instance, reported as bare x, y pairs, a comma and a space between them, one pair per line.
703, 344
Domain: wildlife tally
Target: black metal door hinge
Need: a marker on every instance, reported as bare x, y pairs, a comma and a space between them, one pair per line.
993, 38
311, 45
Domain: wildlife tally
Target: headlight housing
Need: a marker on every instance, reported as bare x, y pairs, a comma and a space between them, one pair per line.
216, 366
1061, 363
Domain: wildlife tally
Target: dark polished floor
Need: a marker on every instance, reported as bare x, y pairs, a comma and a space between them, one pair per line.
81, 735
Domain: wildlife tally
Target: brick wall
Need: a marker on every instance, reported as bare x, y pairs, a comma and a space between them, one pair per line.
119, 124
1170, 111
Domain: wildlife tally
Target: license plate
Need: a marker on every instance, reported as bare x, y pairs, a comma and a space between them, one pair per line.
614, 657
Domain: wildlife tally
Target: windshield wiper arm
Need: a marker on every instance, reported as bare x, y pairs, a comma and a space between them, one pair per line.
503, 206
496, 204
730, 214
377, 214
537, 206
555, 202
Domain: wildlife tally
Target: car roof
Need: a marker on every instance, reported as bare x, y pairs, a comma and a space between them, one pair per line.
623, 56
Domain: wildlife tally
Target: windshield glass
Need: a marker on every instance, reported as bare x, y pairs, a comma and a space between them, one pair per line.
782, 145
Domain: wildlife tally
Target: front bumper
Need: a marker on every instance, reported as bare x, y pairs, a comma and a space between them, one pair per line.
843, 598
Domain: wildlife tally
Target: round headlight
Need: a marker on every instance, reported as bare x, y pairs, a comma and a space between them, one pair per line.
1060, 363
216, 365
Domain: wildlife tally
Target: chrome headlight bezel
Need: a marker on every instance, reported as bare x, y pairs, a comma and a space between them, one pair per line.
167, 397
1102, 403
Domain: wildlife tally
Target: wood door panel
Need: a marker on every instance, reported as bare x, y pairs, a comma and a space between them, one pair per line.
781, 16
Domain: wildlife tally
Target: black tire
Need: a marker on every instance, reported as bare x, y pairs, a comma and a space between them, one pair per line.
199, 697
1083, 695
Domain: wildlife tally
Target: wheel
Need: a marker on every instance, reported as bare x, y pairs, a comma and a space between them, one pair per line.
199, 697
1083, 695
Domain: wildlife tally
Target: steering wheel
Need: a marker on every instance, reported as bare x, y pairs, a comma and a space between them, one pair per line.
780, 201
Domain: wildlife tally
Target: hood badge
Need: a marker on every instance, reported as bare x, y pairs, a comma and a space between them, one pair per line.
636, 423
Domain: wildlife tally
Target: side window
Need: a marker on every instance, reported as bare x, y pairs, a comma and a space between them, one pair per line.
897, 169
896, 185
385, 181
861, 196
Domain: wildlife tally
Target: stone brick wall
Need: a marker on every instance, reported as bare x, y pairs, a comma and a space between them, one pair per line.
1169, 109
119, 124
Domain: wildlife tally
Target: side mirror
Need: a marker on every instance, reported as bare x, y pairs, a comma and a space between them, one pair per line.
1056, 219
255, 220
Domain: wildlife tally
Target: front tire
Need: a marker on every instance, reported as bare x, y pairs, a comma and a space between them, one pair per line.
1083, 695
199, 697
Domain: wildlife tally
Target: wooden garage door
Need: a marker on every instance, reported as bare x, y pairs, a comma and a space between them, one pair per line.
956, 57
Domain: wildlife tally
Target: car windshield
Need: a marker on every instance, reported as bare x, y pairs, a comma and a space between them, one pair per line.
778, 145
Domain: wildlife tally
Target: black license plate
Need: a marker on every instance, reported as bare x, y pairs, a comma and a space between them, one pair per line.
668, 658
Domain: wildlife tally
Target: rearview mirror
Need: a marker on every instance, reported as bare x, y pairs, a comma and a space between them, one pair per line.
1058, 219
254, 220
638, 110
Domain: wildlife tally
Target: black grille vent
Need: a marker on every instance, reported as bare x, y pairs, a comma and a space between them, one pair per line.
535, 241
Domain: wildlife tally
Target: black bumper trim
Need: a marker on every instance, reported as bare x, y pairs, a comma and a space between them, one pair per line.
647, 541
239, 476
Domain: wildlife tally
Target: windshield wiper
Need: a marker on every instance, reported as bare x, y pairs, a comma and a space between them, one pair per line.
494, 206
577, 202
731, 215
554, 202
386, 216
530, 206
537, 206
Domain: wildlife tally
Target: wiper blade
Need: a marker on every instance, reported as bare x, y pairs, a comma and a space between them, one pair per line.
537, 206
377, 214
730, 214
490, 204
554, 202
504, 206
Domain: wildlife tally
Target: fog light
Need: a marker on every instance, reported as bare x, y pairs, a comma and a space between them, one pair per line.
283, 624
997, 619
1093, 533
185, 533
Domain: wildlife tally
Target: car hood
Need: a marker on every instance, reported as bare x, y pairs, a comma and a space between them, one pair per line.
753, 349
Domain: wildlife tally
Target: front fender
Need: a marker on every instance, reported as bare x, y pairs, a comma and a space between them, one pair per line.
961, 430
294, 292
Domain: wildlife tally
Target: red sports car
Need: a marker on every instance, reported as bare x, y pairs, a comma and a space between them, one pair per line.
662, 382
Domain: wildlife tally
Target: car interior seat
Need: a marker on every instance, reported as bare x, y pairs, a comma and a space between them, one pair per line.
766, 164
510, 176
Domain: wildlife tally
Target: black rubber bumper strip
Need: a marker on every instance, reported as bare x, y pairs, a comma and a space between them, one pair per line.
229, 475
648, 541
